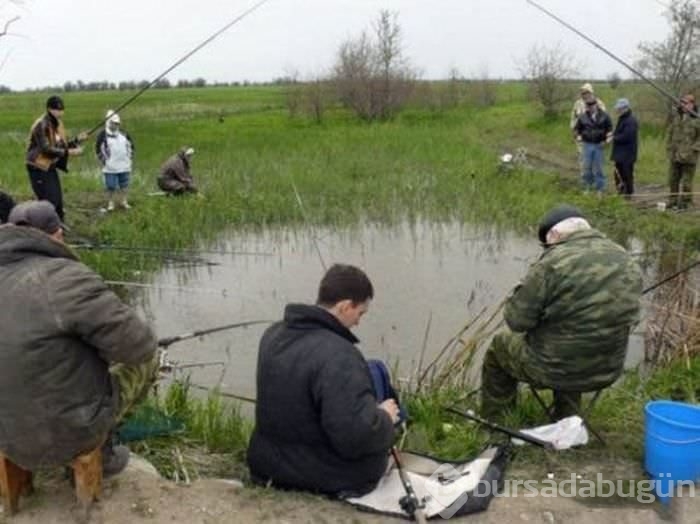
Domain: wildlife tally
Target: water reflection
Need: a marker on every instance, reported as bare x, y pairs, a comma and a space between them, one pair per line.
444, 272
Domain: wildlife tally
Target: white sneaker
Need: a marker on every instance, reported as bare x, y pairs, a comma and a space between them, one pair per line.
126, 205
110, 206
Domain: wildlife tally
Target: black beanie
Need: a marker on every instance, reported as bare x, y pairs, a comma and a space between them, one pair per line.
54, 102
556, 215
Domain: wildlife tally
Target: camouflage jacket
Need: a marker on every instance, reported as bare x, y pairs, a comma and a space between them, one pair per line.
576, 306
683, 140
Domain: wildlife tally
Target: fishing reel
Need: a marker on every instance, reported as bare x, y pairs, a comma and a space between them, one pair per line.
410, 503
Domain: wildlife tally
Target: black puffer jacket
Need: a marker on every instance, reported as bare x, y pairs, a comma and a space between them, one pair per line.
593, 129
318, 426
60, 326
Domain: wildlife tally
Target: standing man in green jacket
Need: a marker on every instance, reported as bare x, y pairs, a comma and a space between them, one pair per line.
569, 318
683, 148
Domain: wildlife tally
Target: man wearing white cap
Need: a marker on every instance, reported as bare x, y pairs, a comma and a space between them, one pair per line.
115, 151
175, 177
586, 94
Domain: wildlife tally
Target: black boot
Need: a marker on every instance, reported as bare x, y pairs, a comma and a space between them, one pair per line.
115, 457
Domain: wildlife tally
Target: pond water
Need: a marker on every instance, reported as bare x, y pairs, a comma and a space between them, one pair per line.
422, 272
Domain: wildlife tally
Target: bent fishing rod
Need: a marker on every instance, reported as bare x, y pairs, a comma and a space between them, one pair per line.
619, 60
203, 44
168, 341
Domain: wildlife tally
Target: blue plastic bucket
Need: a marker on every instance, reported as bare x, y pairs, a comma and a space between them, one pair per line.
671, 445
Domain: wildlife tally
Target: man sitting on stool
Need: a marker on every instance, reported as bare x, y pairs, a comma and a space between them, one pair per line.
569, 318
74, 359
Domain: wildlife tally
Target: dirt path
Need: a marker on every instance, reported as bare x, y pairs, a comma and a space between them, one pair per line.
140, 496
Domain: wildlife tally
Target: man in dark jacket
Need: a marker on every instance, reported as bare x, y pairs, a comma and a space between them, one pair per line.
569, 318
593, 128
62, 329
624, 147
319, 426
48, 151
175, 177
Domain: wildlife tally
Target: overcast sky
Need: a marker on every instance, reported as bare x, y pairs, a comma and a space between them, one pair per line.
138, 39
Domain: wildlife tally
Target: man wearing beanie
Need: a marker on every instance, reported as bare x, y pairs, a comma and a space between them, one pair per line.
48, 151
569, 319
73, 357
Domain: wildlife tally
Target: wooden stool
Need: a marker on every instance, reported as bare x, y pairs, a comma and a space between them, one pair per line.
16, 482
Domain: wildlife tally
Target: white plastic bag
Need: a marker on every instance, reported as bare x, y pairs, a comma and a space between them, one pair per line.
564, 434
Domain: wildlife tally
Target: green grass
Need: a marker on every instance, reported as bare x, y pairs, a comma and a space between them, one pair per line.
440, 165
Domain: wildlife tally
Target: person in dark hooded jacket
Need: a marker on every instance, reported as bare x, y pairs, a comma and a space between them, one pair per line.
175, 177
625, 143
74, 359
319, 425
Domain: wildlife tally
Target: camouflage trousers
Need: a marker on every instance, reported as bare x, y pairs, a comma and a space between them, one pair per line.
680, 181
134, 383
506, 363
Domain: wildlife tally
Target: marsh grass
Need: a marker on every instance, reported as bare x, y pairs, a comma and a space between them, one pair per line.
423, 164
211, 442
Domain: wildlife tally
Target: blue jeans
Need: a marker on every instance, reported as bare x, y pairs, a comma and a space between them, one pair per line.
114, 181
593, 176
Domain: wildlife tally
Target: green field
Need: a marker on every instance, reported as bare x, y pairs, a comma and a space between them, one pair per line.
438, 164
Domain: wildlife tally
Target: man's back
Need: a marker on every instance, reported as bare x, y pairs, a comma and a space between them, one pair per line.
318, 426
60, 327
585, 291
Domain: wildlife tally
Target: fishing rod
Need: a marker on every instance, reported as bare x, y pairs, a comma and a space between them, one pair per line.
126, 283
634, 70
147, 249
145, 88
671, 277
308, 224
410, 503
501, 429
167, 341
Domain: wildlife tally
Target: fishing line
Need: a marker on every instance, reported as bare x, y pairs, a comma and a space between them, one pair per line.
619, 60
178, 62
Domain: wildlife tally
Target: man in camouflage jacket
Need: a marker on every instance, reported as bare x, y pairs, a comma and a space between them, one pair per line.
569, 318
683, 149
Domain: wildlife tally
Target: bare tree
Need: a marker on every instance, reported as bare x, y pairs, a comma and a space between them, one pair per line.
316, 97
614, 80
6, 24
482, 88
371, 74
546, 69
675, 62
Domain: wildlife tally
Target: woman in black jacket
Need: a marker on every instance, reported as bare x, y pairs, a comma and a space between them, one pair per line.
625, 145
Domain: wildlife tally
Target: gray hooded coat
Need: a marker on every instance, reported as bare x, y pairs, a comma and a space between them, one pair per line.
61, 327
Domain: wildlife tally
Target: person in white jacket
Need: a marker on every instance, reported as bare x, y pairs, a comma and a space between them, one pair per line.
115, 151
